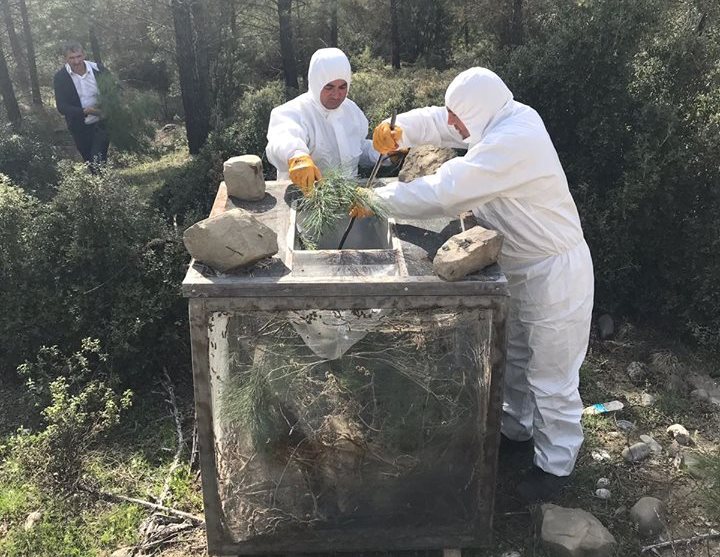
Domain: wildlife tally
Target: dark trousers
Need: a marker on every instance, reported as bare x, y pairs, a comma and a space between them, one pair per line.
92, 141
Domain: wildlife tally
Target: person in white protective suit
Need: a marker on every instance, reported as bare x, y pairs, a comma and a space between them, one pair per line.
315, 132
512, 179
321, 129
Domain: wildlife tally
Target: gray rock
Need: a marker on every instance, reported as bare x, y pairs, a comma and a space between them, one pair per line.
705, 388
600, 455
467, 252
655, 447
648, 514
244, 177
603, 483
606, 326
700, 394
574, 533
680, 434
694, 465
636, 372
625, 426
603, 493
231, 239
32, 519
637, 452
424, 160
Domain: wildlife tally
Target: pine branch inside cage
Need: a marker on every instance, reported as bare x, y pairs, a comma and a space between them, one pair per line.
301, 434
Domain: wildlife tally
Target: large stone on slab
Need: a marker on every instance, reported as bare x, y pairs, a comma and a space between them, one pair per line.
467, 252
574, 533
244, 177
424, 160
229, 240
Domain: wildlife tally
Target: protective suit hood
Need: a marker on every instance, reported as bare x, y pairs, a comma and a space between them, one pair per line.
326, 65
479, 98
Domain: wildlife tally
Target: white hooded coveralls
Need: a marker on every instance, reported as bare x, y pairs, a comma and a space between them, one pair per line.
512, 179
335, 139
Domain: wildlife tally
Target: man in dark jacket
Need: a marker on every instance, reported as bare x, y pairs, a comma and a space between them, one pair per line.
76, 98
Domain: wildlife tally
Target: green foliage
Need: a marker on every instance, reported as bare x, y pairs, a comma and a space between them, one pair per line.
64, 532
329, 202
710, 465
78, 415
379, 93
248, 401
126, 115
630, 94
13, 502
189, 194
29, 162
77, 370
95, 260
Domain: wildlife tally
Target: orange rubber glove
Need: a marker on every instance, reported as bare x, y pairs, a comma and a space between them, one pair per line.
304, 173
386, 140
358, 211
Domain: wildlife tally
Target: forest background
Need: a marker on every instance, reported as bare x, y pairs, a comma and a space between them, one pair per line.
94, 329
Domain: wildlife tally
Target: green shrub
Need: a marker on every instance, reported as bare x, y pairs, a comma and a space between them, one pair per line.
379, 93
29, 162
630, 93
82, 407
188, 196
94, 261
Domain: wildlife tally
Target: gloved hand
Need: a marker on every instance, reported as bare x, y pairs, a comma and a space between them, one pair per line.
304, 173
358, 211
386, 140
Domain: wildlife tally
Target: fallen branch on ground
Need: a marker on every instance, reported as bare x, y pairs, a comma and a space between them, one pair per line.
684, 541
196, 520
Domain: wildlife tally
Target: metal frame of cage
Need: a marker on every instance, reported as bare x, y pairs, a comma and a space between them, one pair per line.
282, 291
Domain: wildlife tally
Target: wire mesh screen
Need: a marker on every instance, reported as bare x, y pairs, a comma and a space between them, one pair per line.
381, 433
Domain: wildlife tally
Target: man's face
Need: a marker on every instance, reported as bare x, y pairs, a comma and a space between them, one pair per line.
333, 94
455, 122
76, 60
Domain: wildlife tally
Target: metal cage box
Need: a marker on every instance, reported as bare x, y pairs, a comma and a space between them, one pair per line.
346, 400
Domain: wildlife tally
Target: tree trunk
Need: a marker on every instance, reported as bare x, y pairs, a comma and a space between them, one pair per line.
8, 93
190, 39
333, 23
17, 52
287, 50
30, 47
394, 35
95, 45
516, 23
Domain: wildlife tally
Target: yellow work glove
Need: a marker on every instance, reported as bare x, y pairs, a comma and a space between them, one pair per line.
359, 210
304, 173
386, 140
